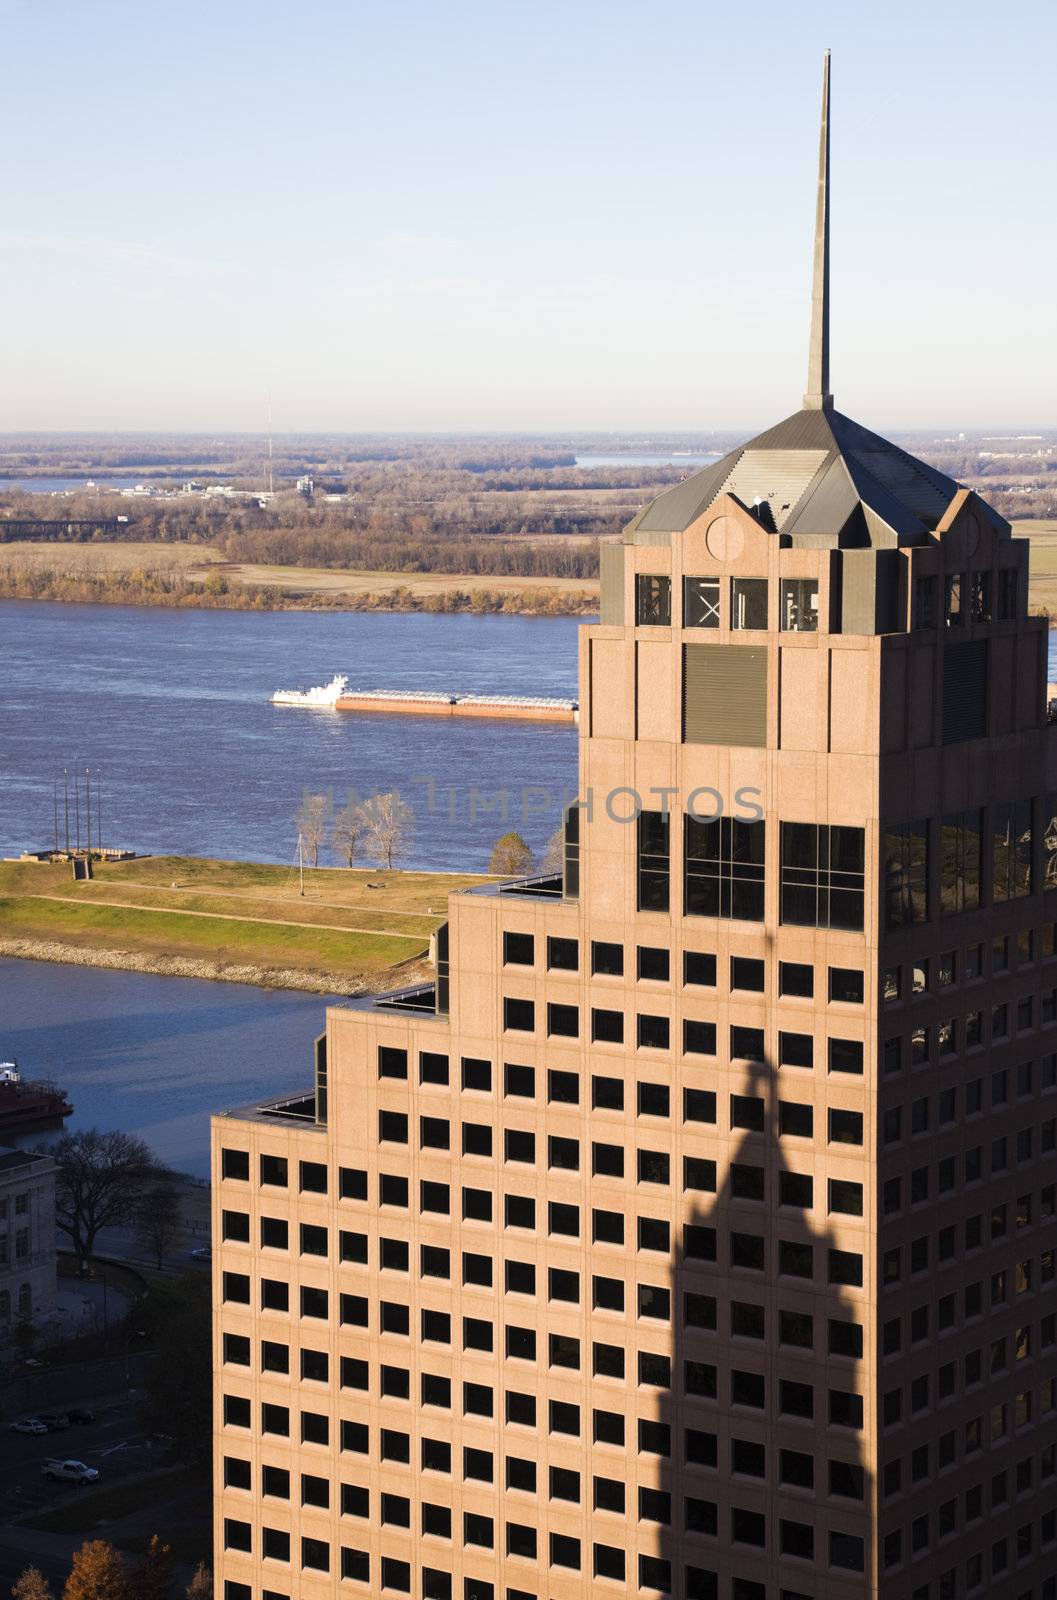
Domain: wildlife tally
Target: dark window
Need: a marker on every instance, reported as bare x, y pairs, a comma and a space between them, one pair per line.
519, 949
724, 869
477, 1074
563, 955
845, 1127
392, 1063
846, 1055
653, 1032
700, 607
747, 1111
747, 973
906, 862
607, 960
654, 856
235, 1164
654, 1100
1011, 850
519, 1015
699, 1106
274, 1233
607, 1094
699, 969
796, 1118
392, 1127
653, 963
960, 834
796, 1050
748, 603
607, 1027
274, 1171
699, 1038
353, 1183
796, 977
563, 1021
432, 1068
846, 984
796, 1189
747, 1044
653, 601
822, 875
519, 1081
235, 1225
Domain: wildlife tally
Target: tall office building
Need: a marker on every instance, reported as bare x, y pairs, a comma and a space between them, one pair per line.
694, 1234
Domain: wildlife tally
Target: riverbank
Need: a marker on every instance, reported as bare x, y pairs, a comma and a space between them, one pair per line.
234, 922
197, 576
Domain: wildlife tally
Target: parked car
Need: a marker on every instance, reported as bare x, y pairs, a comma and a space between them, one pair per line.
80, 1416
28, 1425
60, 1471
54, 1421
203, 1253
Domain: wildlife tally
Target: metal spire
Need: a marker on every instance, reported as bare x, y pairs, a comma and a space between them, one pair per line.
818, 397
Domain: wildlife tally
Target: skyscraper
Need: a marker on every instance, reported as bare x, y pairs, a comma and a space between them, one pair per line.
694, 1232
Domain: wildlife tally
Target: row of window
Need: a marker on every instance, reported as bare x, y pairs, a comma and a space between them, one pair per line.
967, 596
1030, 1537
748, 1528
968, 845
697, 1583
698, 1381
927, 1044
821, 870
926, 976
797, 603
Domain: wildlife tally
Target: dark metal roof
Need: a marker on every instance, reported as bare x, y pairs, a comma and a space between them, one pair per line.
817, 474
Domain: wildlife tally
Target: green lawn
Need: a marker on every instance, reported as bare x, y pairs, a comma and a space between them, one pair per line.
206, 937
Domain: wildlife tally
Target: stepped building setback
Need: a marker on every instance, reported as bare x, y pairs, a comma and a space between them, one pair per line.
694, 1233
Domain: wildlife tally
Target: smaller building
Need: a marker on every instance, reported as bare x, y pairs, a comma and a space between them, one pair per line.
27, 1238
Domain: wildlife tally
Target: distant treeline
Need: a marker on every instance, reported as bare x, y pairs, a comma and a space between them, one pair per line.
167, 589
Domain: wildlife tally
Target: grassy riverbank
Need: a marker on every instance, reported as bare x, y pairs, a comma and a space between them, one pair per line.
351, 930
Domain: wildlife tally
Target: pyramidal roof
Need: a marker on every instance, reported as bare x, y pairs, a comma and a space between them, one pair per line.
818, 477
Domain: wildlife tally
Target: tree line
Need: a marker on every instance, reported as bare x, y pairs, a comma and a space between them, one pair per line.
99, 1571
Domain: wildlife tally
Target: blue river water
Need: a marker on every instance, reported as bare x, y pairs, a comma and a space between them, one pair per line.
172, 708
154, 1056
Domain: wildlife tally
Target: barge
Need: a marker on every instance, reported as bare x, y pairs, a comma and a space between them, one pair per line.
29, 1100
427, 703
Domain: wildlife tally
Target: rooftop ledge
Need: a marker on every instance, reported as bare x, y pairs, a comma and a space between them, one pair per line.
298, 1108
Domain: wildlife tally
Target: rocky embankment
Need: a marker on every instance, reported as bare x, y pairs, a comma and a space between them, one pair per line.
191, 967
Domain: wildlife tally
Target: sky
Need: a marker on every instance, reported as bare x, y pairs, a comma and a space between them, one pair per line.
488, 216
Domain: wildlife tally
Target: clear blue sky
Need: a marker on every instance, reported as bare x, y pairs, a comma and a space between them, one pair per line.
476, 214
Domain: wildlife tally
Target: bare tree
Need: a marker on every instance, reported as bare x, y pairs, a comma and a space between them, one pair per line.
158, 1218
553, 859
511, 857
100, 1183
310, 819
389, 825
347, 831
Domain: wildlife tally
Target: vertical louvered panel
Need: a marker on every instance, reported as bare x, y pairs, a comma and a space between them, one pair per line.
965, 691
724, 694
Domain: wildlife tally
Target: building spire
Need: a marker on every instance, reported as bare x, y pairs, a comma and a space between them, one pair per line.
818, 397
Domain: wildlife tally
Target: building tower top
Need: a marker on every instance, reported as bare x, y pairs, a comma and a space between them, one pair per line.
818, 396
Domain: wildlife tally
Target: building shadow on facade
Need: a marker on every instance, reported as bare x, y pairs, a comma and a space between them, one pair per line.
765, 1493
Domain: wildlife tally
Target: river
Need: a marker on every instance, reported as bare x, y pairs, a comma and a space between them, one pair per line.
154, 1056
172, 707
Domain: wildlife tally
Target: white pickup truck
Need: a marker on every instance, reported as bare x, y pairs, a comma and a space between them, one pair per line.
59, 1471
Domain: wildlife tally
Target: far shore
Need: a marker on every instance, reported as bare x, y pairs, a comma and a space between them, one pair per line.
197, 576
